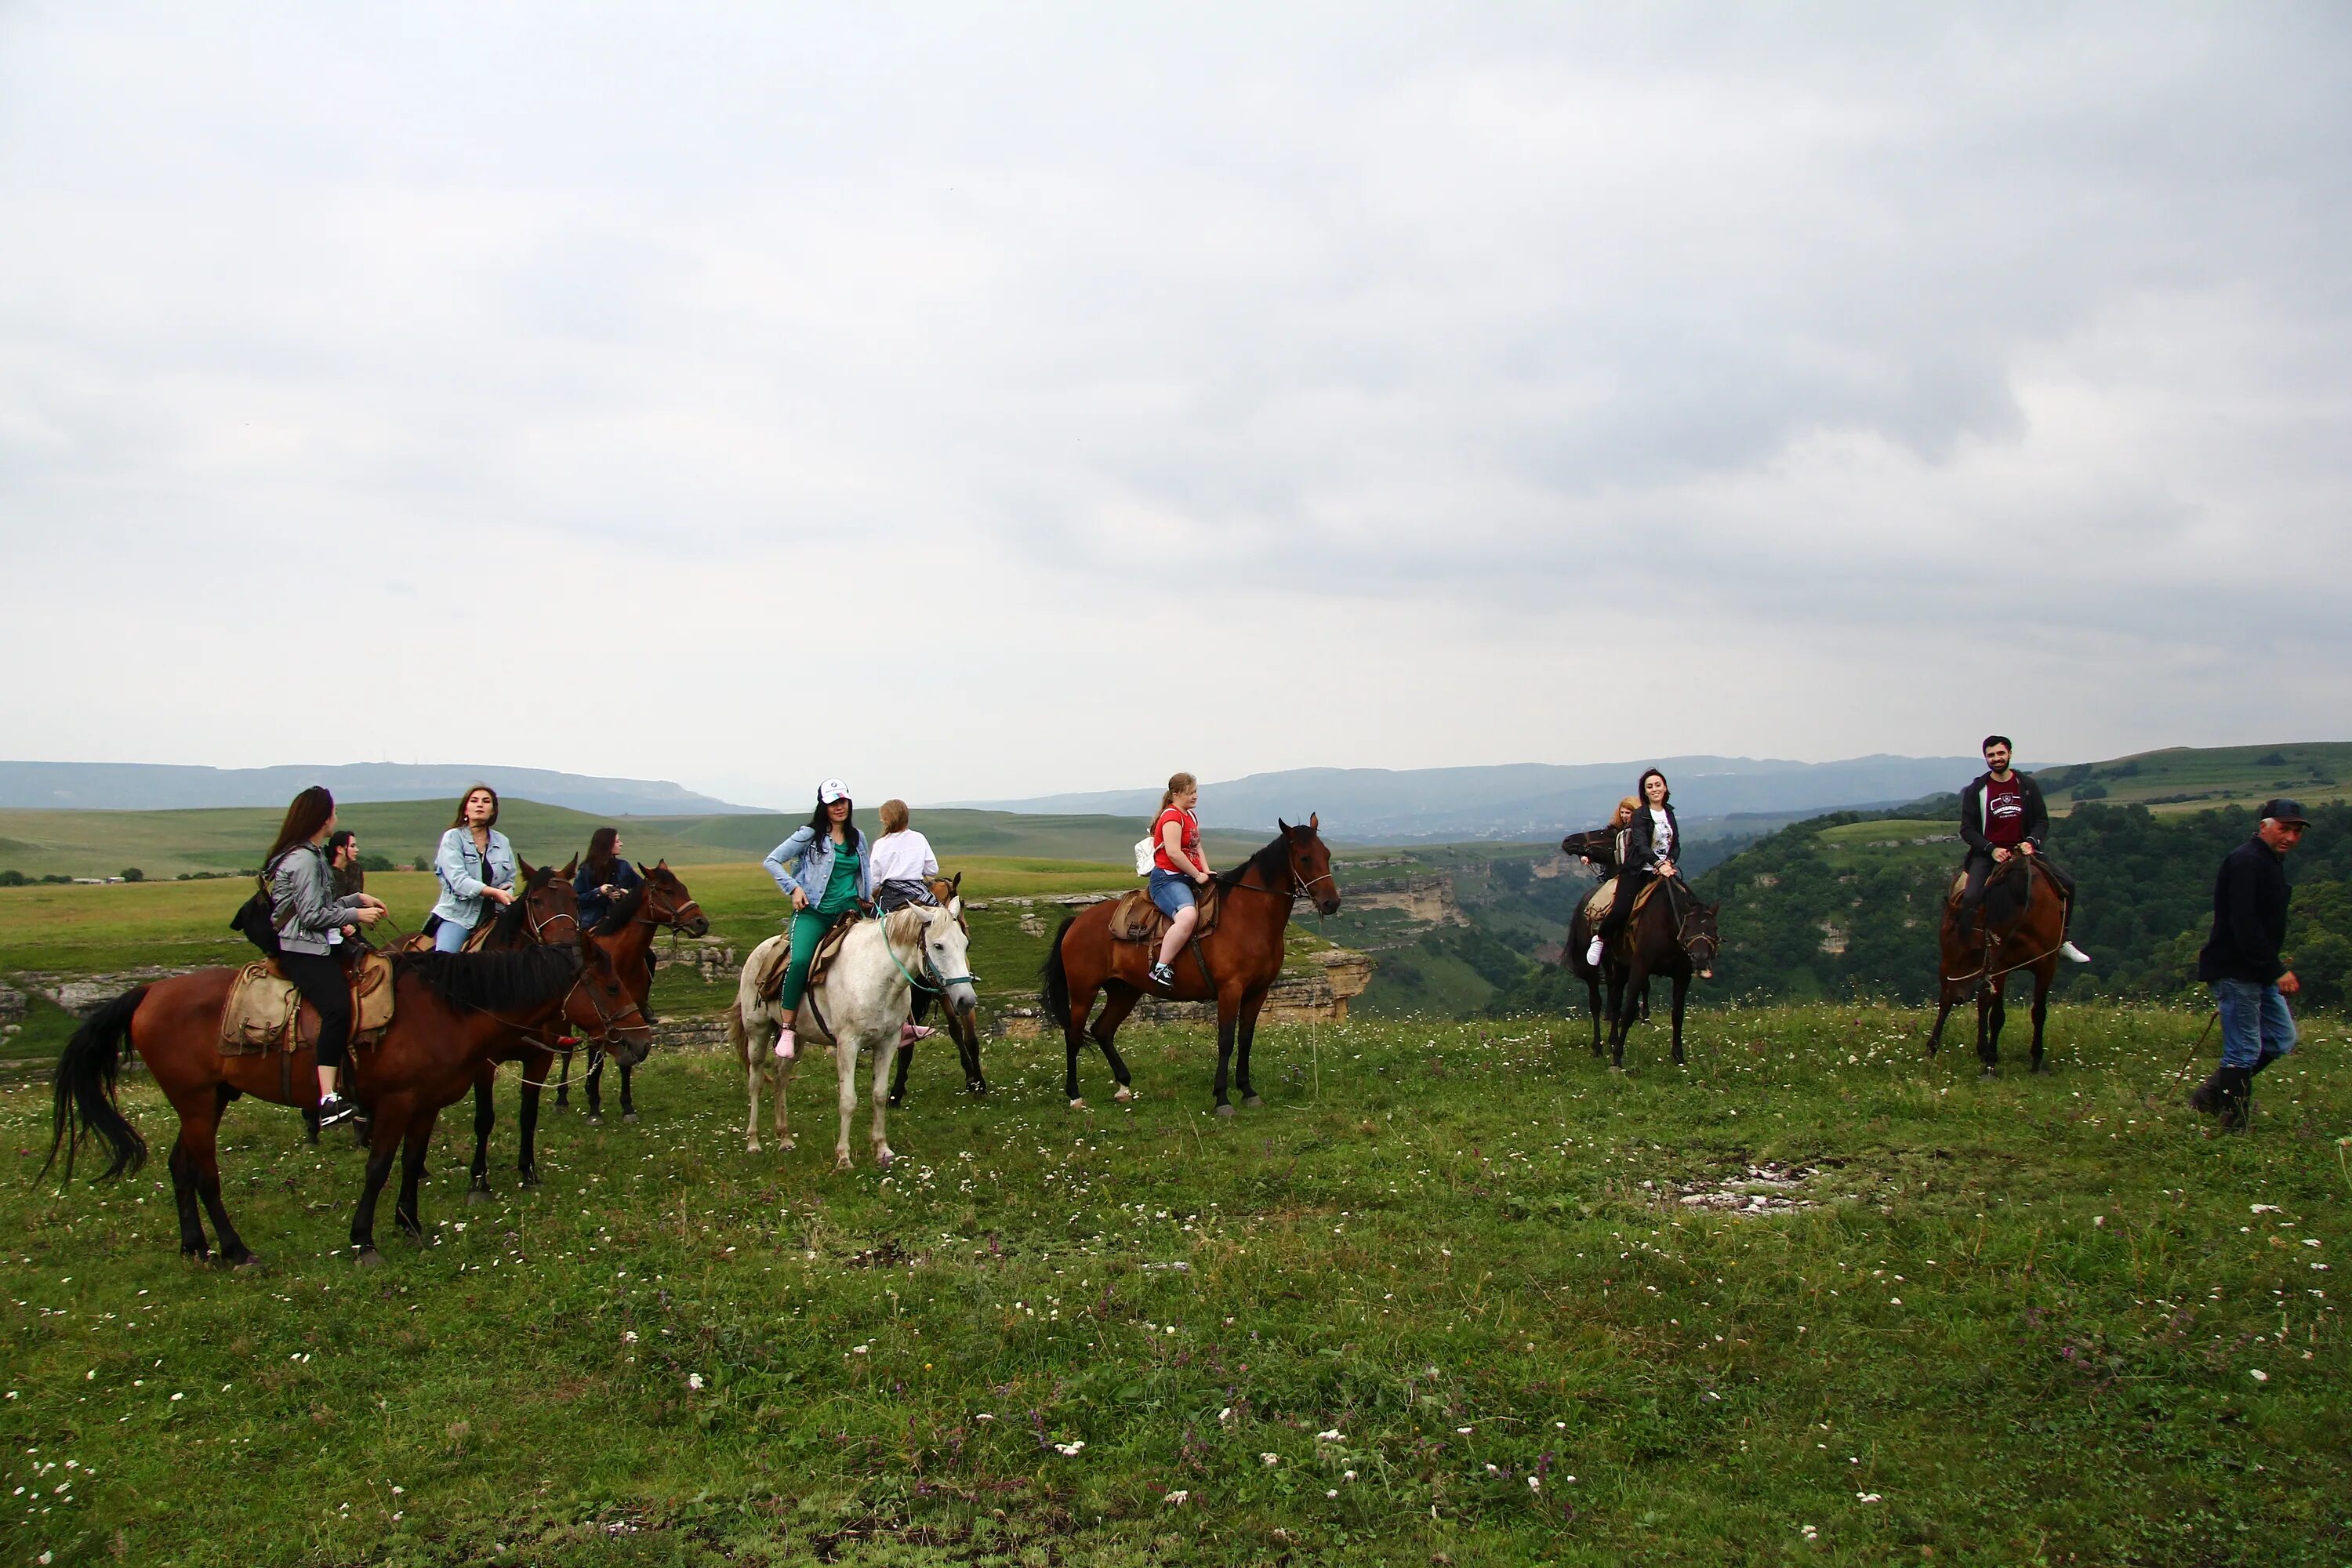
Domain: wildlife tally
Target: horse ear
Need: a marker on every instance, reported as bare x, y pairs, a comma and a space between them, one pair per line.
570, 868
955, 883
645, 870
523, 866
1314, 819
1283, 826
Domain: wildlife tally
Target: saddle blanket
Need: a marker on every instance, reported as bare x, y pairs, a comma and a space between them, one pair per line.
1135, 918
779, 958
1603, 899
263, 1008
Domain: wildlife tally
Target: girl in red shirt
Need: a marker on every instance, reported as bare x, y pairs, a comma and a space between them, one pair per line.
1177, 867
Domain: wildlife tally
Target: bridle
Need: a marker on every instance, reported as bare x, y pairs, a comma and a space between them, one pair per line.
1300, 887
941, 982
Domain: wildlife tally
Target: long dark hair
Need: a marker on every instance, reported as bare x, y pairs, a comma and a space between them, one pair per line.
1641, 789
821, 820
305, 815
471, 791
600, 849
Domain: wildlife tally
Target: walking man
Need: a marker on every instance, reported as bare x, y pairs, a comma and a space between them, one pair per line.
2240, 962
2001, 814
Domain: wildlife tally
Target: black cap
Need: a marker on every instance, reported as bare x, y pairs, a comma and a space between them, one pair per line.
2282, 809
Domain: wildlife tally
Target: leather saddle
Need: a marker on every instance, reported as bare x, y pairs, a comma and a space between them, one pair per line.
264, 1012
771, 983
1135, 918
1602, 899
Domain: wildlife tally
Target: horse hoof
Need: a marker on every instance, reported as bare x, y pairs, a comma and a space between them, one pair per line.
750, 1145
884, 1158
1078, 1104
785, 1146
479, 1194
896, 1100
629, 1116
841, 1165
1986, 1075
200, 1256
1123, 1095
1224, 1110
369, 1258
250, 1264
1253, 1102
978, 1085
2042, 1068
531, 1178
596, 1119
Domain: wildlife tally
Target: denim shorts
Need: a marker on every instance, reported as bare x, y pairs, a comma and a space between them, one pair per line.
1171, 891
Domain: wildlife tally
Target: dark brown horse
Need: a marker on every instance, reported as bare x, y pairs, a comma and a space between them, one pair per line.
2022, 925
665, 905
453, 1012
1673, 934
963, 1029
1235, 963
626, 938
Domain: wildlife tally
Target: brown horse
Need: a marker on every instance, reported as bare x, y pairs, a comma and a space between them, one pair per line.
1235, 963
2022, 926
1673, 934
453, 1012
668, 906
963, 1029
626, 937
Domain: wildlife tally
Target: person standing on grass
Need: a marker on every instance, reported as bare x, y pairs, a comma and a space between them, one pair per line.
1177, 867
903, 868
308, 915
827, 871
2242, 962
2001, 814
475, 866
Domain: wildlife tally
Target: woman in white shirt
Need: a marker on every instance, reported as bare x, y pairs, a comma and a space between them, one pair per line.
903, 867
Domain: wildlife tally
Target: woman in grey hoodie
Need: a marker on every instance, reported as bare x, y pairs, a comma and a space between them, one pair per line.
308, 916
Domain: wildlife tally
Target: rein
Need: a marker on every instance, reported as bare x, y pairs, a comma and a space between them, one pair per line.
930, 968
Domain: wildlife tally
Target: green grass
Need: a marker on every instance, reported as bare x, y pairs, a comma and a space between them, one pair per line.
2198, 778
2021, 1324
168, 843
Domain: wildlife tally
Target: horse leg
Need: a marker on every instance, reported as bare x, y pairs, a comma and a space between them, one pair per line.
389, 1123
204, 1169
1593, 1004
1636, 985
1074, 1036
1224, 1054
594, 1083
192, 1241
899, 1074
965, 1027
485, 1116
2041, 1017
564, 1083
1250, 1008
780, 1079
411, 1169
628, 1102
536, 1060
1681, 992
1119, 1001
878, 1127
1988, 1021
755, 1068
1936, 1035
845, 1062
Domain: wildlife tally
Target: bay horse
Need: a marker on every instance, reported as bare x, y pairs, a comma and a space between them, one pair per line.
665, 905
626, 937
1673, 934
865, 996
2023, 924
1235, 965
963, 1029
452, 1013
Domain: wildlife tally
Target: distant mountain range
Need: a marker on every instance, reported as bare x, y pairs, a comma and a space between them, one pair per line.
1530, 800
154, 786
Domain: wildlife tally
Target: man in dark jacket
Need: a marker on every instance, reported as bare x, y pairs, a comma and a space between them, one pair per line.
2240, 961
2001, 814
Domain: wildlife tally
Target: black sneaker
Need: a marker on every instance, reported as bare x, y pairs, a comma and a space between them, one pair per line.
334, 1111
1163, 977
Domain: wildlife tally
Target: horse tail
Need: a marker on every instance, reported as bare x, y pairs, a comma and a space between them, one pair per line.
1056, 994
737, 1035
85, 1091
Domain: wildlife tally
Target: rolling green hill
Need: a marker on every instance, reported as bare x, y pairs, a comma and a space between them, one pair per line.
166, 844
2198, 778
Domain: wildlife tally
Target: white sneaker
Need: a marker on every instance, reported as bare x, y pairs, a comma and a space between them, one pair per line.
2075, 954
1593, 954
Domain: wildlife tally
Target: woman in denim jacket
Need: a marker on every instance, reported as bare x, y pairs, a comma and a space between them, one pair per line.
309, 916
475, 865
828, 871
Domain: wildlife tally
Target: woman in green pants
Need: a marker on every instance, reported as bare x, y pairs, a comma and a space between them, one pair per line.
827, 872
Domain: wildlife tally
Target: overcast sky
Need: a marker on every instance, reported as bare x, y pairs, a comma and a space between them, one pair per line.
1047, 401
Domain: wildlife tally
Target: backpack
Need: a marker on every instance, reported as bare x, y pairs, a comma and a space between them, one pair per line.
1144, 850
252, 922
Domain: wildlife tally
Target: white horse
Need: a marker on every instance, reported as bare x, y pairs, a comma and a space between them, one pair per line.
867, 994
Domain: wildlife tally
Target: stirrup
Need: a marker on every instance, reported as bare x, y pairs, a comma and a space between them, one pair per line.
334, 1111
1164, 976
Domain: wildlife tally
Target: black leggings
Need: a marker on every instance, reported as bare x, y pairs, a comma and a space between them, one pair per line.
1630, 883
320, 980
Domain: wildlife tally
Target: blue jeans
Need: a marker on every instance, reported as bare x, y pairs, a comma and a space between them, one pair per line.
450, 937
2256, 1027
1171, 891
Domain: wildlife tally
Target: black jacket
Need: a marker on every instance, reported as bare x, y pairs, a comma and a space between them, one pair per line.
1640, 852
2250, 899
1972, 809
594, 907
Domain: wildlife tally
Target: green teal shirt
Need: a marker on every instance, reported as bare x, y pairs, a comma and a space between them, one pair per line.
841, 887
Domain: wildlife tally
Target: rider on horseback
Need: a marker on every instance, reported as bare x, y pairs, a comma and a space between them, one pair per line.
904, 866
825, 868
308, 917
1605, 850
2001, 814
1651, 839
1176, 866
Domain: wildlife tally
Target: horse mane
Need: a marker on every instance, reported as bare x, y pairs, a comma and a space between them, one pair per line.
905, 924
624, 909
508, 928
1271, 861
486, 981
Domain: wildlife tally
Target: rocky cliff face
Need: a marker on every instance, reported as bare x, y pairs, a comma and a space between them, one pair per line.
1427, 898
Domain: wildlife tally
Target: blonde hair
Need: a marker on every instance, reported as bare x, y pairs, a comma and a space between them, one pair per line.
894, 816
1625, 810
1177, 783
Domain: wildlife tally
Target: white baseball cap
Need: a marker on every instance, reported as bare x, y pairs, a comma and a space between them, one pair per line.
831, 791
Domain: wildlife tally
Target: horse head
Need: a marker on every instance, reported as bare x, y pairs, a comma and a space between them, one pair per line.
600, 1008
668, 902
946, 953
546, 908
1311, 863
1698, 937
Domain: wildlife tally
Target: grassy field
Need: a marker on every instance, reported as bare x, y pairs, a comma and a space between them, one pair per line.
164, 844
2197, 778
1440, 1302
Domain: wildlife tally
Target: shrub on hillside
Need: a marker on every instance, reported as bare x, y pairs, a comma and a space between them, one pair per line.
133, 873
13, 878
378, 863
